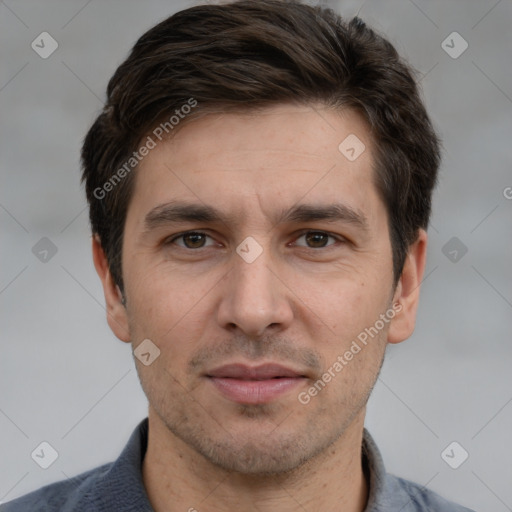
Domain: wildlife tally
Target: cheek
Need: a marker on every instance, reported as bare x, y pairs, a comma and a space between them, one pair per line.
346, 305
161, 296
352, 352
169, 312
351, 348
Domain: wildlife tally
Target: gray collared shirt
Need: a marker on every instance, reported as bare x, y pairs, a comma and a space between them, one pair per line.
118, 487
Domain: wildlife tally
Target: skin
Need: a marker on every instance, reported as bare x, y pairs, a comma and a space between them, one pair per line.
301, 303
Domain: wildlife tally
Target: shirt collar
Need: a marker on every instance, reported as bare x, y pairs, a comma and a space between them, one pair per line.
374, 470
122, 487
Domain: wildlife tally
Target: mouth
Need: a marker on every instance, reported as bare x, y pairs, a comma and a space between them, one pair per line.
254, 384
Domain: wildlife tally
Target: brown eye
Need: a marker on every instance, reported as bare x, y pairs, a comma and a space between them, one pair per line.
191, 240
315, 239
194, 240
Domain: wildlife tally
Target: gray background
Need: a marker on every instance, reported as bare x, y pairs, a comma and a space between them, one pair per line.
64, 377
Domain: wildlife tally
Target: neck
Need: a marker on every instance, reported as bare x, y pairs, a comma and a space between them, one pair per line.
177, 478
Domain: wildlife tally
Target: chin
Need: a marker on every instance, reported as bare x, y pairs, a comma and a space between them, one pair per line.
254, 458
258, 449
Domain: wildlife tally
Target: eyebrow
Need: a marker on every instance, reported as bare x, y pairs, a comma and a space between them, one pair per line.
337, 212
177, 211
174, 212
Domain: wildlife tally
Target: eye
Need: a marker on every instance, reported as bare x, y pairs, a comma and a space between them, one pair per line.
316, 239
191, 240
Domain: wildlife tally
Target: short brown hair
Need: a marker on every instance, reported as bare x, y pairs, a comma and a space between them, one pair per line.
257, 53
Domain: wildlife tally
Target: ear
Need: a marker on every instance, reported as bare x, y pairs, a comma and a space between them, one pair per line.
407, 292
117, 317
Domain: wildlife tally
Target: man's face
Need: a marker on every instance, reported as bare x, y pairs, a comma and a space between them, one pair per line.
244, 335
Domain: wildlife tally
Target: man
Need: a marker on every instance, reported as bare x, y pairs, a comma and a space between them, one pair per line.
259, 185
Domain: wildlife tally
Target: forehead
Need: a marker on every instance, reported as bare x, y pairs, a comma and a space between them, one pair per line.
251, 164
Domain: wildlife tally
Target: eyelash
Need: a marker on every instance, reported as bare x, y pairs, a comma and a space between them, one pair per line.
339, 239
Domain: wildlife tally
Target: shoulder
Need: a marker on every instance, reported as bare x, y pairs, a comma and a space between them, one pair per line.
71, 495
419, 499
389, 493
114, 486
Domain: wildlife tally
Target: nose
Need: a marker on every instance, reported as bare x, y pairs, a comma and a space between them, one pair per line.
254, 298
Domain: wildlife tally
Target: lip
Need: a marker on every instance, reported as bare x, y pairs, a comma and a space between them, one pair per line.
254, 384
